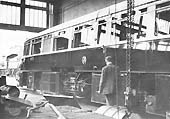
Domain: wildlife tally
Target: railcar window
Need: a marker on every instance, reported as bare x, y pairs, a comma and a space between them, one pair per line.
141, 25
78, 40
138, 27
87, 35
118, 28
60, 43
142, 46
162, 26
26, 48
47, 43
36, 46
10, 14
119, 25
115, 31
101, 34
153, 45
163, 46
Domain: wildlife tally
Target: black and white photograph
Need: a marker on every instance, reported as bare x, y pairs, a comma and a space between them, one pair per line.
84, 59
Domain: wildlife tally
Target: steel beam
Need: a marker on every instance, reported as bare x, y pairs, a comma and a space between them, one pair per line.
22, 28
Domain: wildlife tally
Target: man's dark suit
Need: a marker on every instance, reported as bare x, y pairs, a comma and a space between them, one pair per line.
107, 85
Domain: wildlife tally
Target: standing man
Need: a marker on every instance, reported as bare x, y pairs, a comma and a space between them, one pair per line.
108, 81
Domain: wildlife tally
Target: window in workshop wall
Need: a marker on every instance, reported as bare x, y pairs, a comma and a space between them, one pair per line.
35, 18
35, 3
36, 46
9, 14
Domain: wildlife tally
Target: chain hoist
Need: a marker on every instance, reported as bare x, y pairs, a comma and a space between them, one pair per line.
130, 41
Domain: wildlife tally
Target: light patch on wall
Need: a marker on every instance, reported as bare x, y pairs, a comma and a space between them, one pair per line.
9, 38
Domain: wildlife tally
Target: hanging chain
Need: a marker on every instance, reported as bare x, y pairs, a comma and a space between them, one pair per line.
130, 42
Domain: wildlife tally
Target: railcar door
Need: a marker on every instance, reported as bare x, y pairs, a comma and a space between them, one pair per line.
99, 98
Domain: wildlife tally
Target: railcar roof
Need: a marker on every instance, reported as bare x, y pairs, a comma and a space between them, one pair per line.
92, 16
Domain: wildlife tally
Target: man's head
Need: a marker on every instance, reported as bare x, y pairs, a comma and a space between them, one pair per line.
108, 59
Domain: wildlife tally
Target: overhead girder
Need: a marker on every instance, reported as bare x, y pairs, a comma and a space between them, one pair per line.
22, 28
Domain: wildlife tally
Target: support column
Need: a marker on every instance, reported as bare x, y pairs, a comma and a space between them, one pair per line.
57, 13
51, 16
47, 15
22, 14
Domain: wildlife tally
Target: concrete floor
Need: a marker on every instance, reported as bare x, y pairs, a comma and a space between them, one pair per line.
67, 106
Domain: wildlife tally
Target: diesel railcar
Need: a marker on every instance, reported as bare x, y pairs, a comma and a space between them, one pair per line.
68, 58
